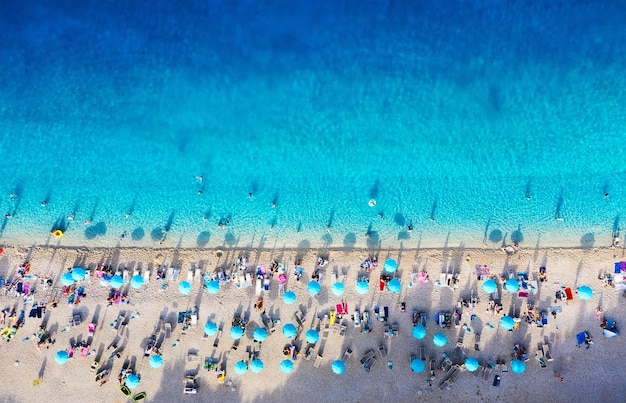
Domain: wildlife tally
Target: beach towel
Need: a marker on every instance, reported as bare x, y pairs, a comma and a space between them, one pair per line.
568, 293
622, 266
26, 288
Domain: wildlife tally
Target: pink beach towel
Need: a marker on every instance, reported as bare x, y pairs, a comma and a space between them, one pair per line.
282, 279
622, 266
26, 288
339, 309
70, 352
84, 352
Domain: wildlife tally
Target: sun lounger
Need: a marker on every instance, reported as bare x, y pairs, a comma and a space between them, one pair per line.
504, 368
192, 357
446, 364
318, 361
170, 274
146, 276
370, 354
479, 372
487, 373
422, 353
94, 366
445, 385
541, 359
568, 294
197, 275
235, 345
190, 276
476, 341
87, 278
125, 276
369, 364
342, 330
248, 280
382, 350
546, 352
346, 355
321, 277
168, 330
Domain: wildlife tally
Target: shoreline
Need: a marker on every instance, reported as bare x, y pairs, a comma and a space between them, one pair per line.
568, 267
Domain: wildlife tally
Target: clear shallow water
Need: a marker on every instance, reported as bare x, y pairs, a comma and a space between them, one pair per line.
454, 111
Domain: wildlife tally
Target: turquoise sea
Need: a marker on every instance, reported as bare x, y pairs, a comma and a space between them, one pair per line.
471, 121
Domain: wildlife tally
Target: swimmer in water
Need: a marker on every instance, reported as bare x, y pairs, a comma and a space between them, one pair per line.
559, 218
70, 217
8, 215
126, 215
123, 235
527, 197
44, 203
199, 178
199, 192
409, 228
273, 204
328, 230
250, 196
12, 196
380, 216
87, 222
606, 195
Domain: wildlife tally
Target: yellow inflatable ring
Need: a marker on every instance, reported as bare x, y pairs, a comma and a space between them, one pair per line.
57, 233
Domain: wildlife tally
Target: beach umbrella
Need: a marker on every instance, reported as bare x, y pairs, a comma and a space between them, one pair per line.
286, 366
210, 329
312, 336
117, 281
471, 364
241, 367
417, 365
236, 332
390, 266
490, 286
511, 285
78, 273
394, 286
338, 289
440, 339
212, 287
136, 281
132, 381
518, 367
184, 287
338, 367
362, 287
289, 297
260, 334
256, 366
419, 331
61, 357
507, 322
289, 330
584, 292
156, 361
313, 288
67, 279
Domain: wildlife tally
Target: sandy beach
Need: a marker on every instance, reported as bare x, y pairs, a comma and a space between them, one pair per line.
587, 372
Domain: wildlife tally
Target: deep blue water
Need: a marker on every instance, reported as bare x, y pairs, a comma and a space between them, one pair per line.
454, 110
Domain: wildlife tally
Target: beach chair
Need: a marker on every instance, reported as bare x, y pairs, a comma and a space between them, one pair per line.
445, 385
336, 328
370, 354
446, 364
541, 359
87, 278
346, 355
247, 280
333, 277
432, 365
321, 277
422, 353
146, 276
190, 276
318, 361
546, 352
235, 345
74, 320
190, 386
258, 285
125, 276
192, 357
343, 330
369, 364
382, 350
216, 342
504, 367
170, 274
479, 372
477, 341
94, 366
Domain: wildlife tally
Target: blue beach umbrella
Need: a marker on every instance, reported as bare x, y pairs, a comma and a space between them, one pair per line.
338, 367
471, 364
338, 289
156, 361
61, 357
419, 331
490, 286
507, 322
440, 339
289, 297
286, 366
312, 336
240, 367
518, 367
584, 292
78, 273
256, 366
117, 281
289, 330
67, 279
184, 287
210, 329
313, 288
136, 281
417, 365
260, 334
132, 381
362, 287
390, 266
236, 332
511, 285
394, 286
213, 287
